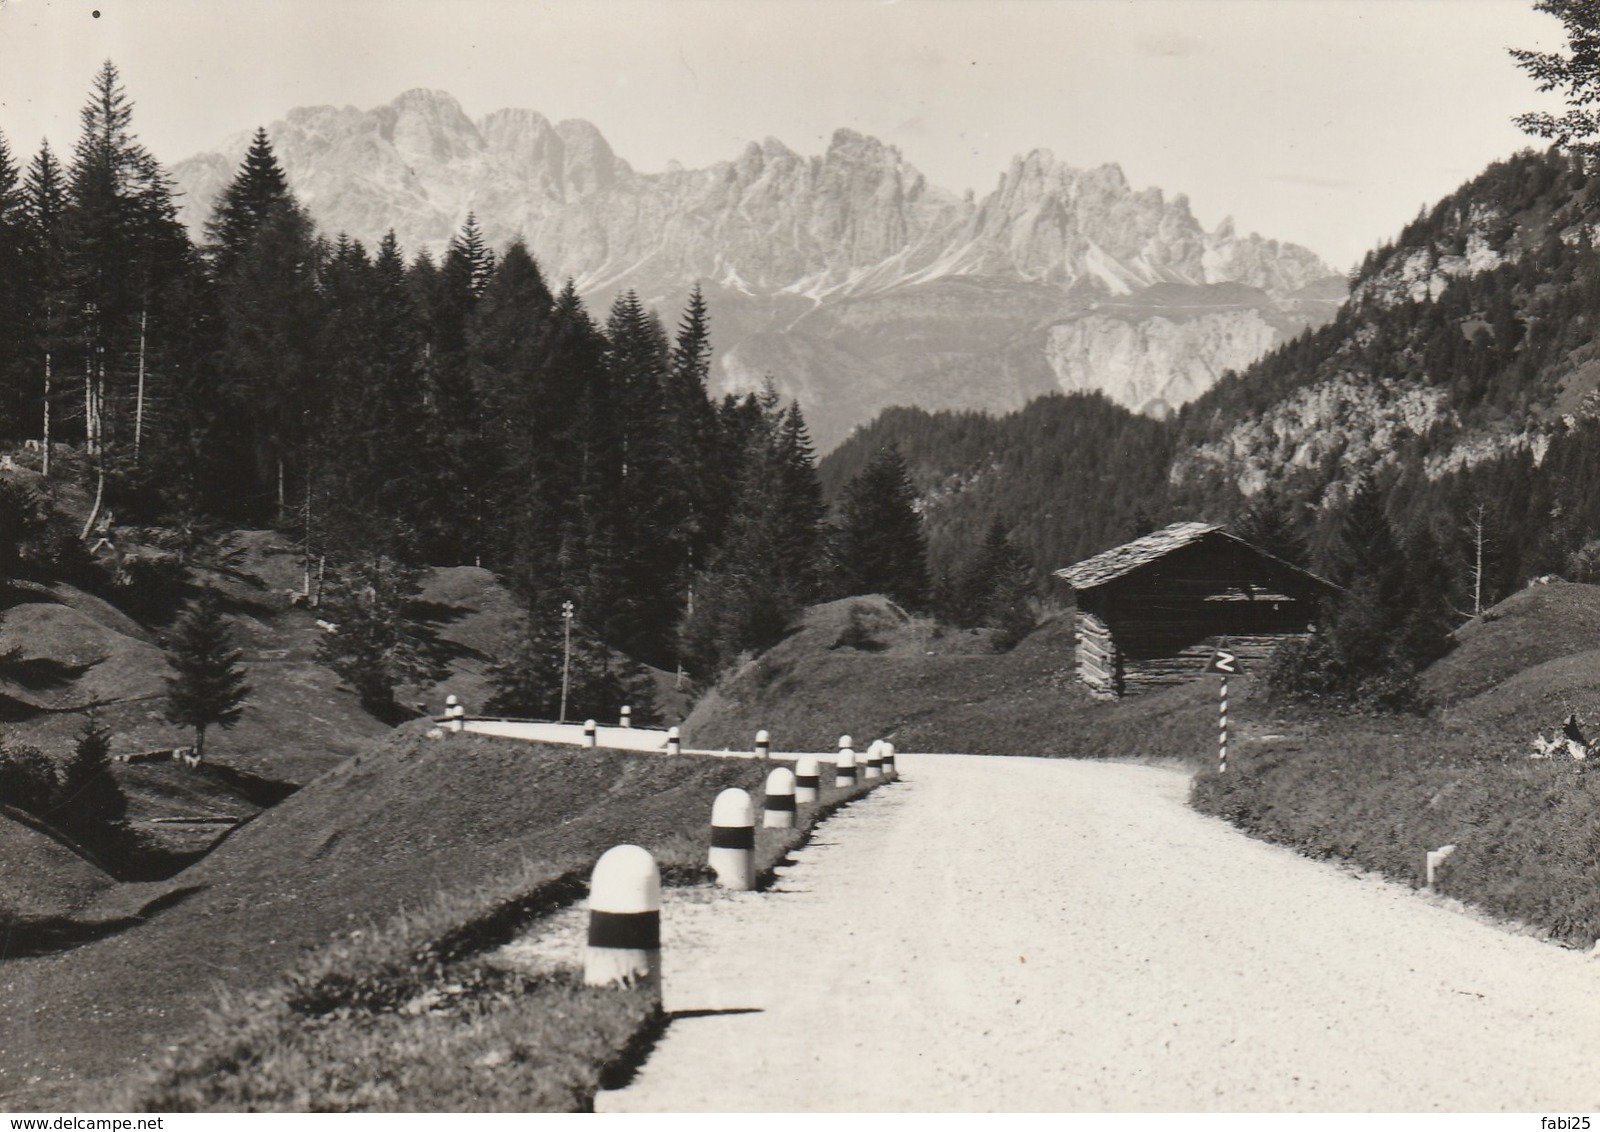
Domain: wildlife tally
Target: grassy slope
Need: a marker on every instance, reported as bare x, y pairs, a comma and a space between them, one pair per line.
55, 880
1383, 792
410, 818
929, 692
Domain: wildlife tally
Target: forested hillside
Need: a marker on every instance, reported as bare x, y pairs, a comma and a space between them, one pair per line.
383, 414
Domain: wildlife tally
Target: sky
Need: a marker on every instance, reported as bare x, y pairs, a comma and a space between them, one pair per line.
1325, 122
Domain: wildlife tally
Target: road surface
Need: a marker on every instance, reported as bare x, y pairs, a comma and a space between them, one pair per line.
1027, 934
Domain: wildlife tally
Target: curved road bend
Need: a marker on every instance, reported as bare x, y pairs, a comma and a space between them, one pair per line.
1028, 934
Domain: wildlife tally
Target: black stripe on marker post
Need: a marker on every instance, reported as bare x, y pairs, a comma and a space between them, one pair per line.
630, 931
779, 802
733, 837
811, 780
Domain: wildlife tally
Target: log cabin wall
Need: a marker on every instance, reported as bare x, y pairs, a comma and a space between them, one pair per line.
1099, 665
1159, 624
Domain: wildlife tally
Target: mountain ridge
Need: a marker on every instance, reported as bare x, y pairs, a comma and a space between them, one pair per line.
773, 230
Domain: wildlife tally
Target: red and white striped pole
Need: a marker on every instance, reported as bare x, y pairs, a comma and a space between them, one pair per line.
1222, 728
1224, 663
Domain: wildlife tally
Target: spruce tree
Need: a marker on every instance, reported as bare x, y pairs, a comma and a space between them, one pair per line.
208, 683
378, 642
880, 546
90, 803
766, 569
48, 297
14, 296
256, 189
271, 312
123, 243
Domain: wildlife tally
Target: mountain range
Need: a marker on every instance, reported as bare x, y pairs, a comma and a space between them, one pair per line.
847, 277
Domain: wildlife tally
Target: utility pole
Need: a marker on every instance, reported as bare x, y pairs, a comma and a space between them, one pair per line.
566, 656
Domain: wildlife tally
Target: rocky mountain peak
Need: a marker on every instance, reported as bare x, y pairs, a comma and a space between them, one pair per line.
771, 233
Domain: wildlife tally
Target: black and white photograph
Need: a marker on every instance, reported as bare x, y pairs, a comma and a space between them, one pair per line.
800, 556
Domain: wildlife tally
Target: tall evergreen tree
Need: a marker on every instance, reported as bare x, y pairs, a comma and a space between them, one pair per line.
653, 539
14, 296
378, 642
766, 568
271, 311
48, 296
240, 212
507, 507
123, 244
207, 686
880, 546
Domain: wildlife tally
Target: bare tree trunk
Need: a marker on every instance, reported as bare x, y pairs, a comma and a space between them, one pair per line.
138, 403
46, 441
306, 585
94, 391
282, 502
1476, 523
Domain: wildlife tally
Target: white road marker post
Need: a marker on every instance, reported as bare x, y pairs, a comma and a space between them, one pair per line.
889, 769
763, 745
844, 773
777, 811
873, 763
1224, 663
674, 744
590, 733
733, 840
624, 947
627, 717
807, 780
455, 712
1436, 858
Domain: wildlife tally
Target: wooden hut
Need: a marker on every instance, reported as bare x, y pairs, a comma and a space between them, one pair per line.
1152, 611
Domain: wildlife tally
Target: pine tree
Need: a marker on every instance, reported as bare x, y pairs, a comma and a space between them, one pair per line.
208, 684
14, 296
90, 803
653, 538
527, 679
123, 244
477, 256
271, 312
766, 568
240, 212
507, 504
48, 295
994, 588
880, 546
378, 642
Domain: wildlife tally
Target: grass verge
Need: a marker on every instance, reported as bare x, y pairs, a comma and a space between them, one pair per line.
1527, 832
410, 1016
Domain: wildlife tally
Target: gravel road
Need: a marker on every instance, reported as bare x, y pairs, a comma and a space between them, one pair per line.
1026, 934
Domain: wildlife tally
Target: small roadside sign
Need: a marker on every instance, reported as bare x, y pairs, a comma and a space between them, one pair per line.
1225, 662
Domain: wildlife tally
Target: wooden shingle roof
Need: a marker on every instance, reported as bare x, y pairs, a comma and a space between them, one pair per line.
1119, 560
1109, 565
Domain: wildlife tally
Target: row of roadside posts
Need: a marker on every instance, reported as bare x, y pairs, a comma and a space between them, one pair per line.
624, 940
